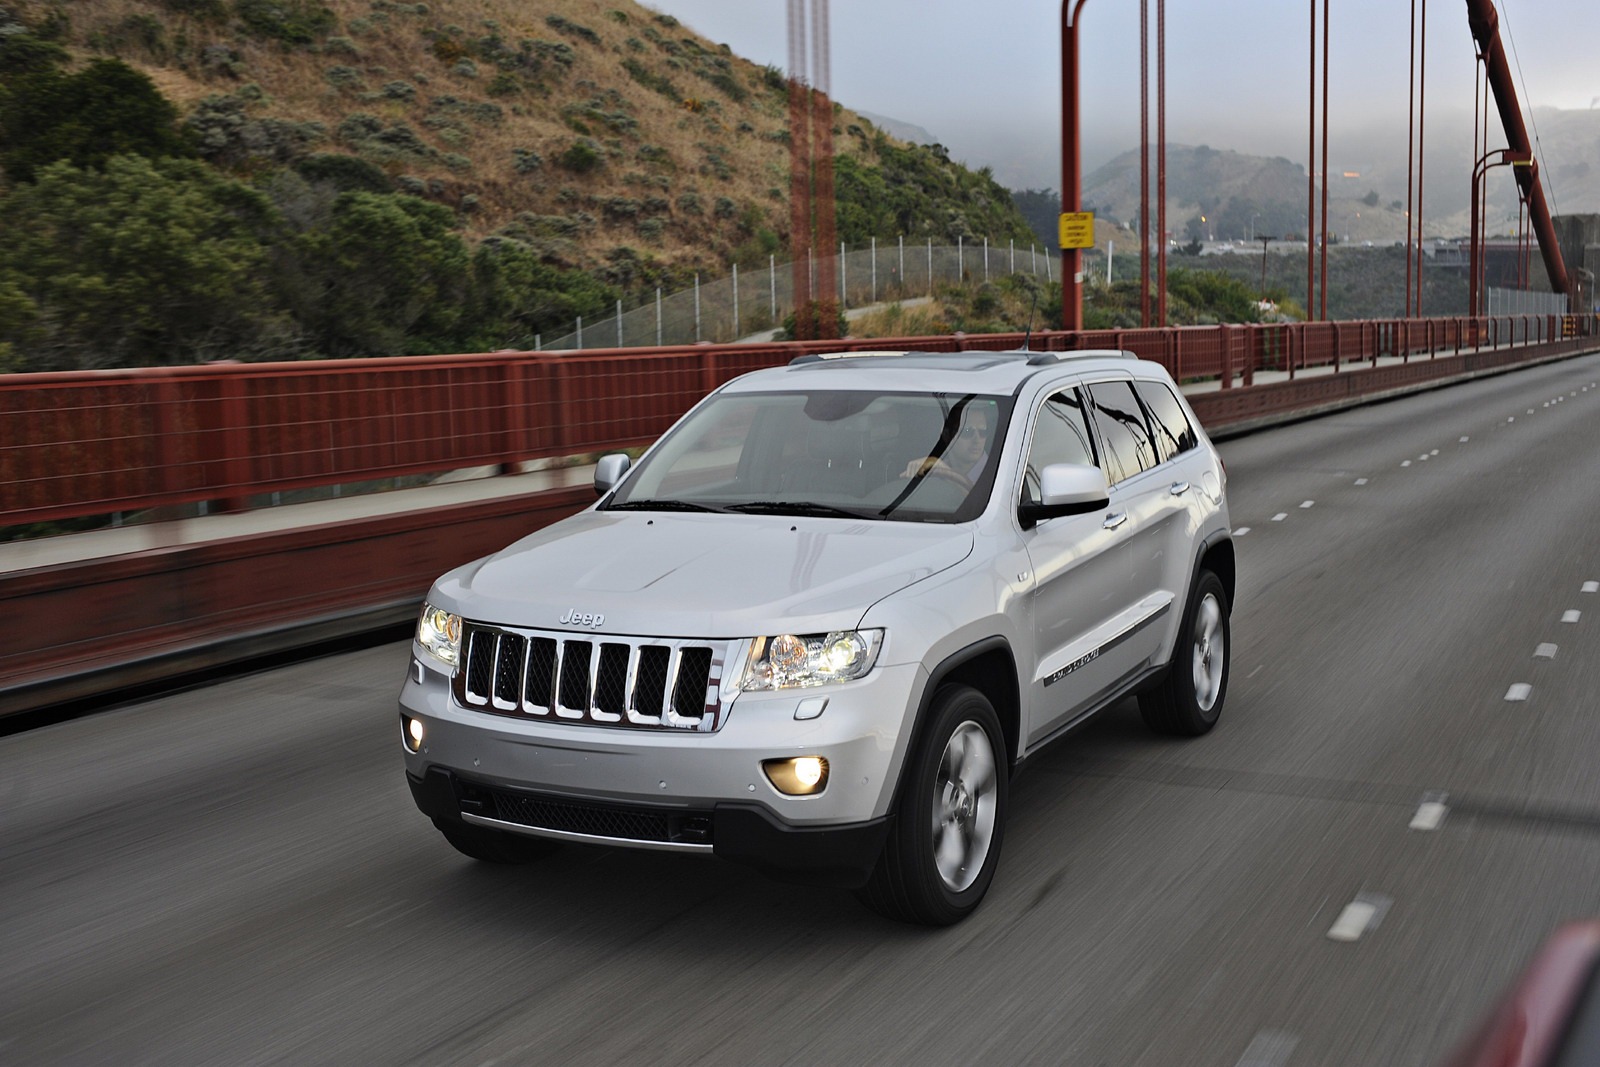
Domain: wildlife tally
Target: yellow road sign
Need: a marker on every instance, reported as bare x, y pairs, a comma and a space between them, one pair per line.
1077, 229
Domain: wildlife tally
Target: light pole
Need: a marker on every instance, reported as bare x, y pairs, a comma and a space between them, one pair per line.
1071, 164
1478, 257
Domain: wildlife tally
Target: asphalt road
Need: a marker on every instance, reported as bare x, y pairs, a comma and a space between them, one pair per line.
236, 874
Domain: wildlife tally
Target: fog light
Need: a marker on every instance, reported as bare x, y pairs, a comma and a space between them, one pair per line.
799, 776
411, 732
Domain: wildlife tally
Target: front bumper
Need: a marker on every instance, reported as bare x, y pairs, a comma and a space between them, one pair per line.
835, 856
686, 791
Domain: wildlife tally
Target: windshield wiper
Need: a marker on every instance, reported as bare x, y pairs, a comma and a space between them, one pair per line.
663, 505
798, 507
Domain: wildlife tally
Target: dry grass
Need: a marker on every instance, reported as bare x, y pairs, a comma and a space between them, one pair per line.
393, 42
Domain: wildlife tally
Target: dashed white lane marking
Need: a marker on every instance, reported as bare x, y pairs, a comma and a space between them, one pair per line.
1435, 452
1361, 481
1280, 516
1255, 672
1571, 615
1591, 587
1423, 457
1464, 440
1269, 1048
1430, 813
1360, 916
1519, 691
1530, 410
1405, 463
1512, 419
1545, 651
1307, 503
1241, 531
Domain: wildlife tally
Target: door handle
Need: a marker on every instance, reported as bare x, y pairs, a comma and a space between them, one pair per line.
1179, 488
1113, 521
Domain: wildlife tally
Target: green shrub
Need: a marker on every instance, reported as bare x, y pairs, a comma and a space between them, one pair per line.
85, 118
293, 22
198, 9
348, 174
343, 77
582, 156
571, 29
651, 80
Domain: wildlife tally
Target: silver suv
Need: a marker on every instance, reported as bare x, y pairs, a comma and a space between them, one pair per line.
822, 622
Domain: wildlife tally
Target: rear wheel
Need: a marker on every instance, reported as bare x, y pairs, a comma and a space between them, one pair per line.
1188, 699
941, 857
494, 846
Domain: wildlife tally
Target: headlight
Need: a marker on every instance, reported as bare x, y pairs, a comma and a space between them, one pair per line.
790, 661
439, 632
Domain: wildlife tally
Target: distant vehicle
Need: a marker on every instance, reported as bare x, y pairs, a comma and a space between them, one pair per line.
1551, 1016
818, 624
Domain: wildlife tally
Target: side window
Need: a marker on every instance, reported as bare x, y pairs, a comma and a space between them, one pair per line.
1120, 420
1061, 435
1174, 435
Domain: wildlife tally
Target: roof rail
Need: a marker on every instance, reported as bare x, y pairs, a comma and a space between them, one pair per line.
819, 357
1040, 359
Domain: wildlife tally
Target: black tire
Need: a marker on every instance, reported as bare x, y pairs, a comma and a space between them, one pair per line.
1188, 699
494, 846
945, 846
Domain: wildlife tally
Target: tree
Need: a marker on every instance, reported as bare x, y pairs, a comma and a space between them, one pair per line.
376, 275
142, 263
105, 110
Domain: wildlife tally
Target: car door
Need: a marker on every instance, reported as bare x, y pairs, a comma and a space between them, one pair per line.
1142, 492
1168, 547
1082, 569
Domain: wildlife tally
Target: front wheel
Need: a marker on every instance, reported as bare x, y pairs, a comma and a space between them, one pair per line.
941, 857
1188, 699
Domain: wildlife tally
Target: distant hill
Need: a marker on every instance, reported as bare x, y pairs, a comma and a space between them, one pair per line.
190, 180
615, 119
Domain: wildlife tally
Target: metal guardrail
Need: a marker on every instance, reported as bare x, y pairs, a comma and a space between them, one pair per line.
88, 443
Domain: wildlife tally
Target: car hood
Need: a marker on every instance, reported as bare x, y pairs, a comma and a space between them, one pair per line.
689, 575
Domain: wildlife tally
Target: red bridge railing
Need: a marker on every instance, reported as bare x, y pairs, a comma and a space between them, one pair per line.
99, 442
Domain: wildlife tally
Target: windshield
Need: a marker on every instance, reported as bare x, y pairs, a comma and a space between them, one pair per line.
905, 457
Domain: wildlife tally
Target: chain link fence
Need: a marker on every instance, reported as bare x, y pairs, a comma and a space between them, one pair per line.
749, 304
1523, 302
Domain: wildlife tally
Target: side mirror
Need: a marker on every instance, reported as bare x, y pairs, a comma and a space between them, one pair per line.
609, 471
1066, 489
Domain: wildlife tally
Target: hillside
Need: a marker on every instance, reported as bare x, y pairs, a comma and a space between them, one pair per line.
593, 137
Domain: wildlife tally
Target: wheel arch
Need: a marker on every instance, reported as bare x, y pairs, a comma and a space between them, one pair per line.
988, 666
1217, 557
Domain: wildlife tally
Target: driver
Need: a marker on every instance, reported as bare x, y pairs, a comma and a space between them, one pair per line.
966, 455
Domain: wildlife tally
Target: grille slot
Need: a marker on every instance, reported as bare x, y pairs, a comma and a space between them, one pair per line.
595, 820
626, 682
574, 699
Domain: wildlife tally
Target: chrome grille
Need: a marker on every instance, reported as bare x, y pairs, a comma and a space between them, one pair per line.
642, 683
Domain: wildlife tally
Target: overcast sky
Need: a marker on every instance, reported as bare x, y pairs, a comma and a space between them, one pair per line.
985, 79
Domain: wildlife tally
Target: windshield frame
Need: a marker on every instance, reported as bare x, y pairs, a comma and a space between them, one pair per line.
889, 503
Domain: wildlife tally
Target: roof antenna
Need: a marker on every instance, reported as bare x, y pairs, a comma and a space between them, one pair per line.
1029, 335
